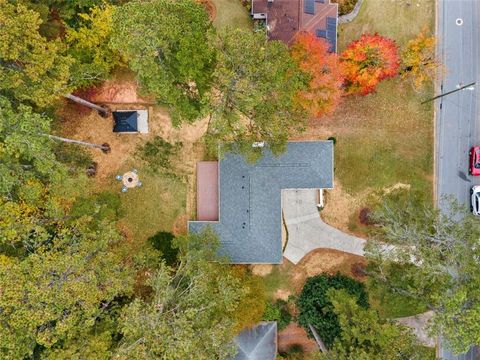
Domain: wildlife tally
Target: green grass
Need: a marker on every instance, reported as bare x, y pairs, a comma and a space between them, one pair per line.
389, 140
231, 13
391, 18
392, 306
386, 138
155, 206
278, 279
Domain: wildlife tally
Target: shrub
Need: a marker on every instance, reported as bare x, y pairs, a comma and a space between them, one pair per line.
294, 352
365, 216
345, 6
162, 241
106, 205
316, 308
158, 153
278, 311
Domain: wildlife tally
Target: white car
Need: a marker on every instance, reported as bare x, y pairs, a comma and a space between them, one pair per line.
475, 202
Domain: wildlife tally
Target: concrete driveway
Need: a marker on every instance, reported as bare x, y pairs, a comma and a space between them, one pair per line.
307, 231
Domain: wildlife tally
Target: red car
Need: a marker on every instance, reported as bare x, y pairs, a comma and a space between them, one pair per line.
474, 167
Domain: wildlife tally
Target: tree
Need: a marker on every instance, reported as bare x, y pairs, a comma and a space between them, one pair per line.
191, 313
61, 288
367, 61
418, 59
364, 336
31, 67
168, 45
444, 272
256, 82
324, 88
88, 44
316, 309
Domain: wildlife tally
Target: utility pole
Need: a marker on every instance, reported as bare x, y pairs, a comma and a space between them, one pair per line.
459, 88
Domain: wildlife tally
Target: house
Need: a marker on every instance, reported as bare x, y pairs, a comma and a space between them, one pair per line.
257, 343
241, 201
284, 18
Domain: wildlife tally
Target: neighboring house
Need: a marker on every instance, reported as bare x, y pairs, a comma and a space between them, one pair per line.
242, 201
284, 18
257, 343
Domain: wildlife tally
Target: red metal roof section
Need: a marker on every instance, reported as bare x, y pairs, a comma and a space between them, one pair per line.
286, 17
207, 191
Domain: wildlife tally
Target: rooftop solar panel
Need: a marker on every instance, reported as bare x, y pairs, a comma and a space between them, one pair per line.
321, 33
331, 21
332, 39
320, 1
309, 7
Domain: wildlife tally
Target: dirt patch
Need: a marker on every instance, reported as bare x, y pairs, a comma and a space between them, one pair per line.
210, 7
95, 129
261, 269
294, 334
324, 261
180, 225
114, 91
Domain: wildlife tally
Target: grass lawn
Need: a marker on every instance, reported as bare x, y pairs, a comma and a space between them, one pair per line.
155, 206
395, 19
231, 13
385, 138
278, 279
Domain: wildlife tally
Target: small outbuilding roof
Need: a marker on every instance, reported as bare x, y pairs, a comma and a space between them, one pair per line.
130, 121
125, 121
258, 343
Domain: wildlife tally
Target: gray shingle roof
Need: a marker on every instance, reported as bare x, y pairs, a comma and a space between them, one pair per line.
249, 225
258, 343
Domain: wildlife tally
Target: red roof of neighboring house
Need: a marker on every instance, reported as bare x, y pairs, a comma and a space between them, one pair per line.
207, 191
286, 17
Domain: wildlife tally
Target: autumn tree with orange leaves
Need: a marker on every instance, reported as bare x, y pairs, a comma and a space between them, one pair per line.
367, 61
323, 92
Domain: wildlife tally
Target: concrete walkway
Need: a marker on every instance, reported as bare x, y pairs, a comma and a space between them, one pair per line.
418, 324
307, 231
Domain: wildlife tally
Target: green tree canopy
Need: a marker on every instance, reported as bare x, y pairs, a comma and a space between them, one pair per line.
60, 289
316, 308
436, 261
364, 336
168, 45
34, 188
88, 44
31, 67
192, 311
256, 82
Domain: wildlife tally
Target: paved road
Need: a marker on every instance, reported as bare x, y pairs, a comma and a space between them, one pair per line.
458, 36
457, 128
307, 231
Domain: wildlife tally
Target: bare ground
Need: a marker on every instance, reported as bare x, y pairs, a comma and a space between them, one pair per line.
294, 334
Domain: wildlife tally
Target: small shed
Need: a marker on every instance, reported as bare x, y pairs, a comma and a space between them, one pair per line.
130, 121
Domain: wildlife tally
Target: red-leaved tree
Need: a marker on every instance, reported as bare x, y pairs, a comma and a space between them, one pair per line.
367, 61
323, 92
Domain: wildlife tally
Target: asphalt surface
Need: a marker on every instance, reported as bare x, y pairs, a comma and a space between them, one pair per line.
457, 115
